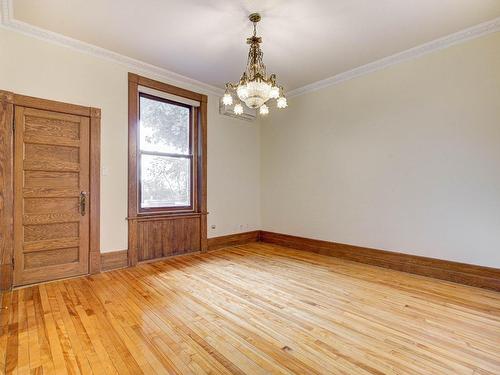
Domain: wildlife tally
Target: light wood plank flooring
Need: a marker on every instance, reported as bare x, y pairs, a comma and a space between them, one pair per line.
252, 309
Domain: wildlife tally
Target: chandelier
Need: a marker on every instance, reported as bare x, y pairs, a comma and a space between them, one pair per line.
255, 88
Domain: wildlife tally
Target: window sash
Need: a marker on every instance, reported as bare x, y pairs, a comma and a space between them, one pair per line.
168, 154
165, 95
167, 101
190, 156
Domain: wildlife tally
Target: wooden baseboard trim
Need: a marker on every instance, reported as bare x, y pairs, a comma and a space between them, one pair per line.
114, 260
461, 273
215, 243
468, 274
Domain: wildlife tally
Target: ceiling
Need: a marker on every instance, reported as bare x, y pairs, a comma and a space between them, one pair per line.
304, 40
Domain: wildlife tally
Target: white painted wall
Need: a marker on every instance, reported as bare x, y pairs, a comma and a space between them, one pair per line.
405, 159
38, 68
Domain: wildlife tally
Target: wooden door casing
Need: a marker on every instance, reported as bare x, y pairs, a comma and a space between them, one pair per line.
51, 169
6, 193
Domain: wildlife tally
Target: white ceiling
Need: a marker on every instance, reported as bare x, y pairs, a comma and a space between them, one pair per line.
304, 40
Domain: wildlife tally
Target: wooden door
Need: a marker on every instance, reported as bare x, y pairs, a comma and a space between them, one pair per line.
51, 203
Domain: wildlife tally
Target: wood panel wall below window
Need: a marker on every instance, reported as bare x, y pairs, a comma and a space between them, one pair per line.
158, 238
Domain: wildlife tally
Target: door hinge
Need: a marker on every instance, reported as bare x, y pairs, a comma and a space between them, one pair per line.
13, 261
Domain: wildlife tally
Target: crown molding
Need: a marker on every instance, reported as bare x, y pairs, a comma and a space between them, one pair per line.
8, 22
409, 54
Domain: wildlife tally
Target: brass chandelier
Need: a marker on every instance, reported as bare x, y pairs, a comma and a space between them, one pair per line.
255, 88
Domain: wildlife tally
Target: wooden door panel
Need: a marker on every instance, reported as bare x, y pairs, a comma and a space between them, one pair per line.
45, 179
51, 206
44, 232
51, 140
51, 258
53, 153
48, 272
44, 245
51, 167
50, 218
40, 192
55, 125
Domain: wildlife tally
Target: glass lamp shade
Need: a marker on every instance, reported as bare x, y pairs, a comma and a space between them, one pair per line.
254, 93
227, 99
275, 92
238, 109
242, 92
264, 109
281, 102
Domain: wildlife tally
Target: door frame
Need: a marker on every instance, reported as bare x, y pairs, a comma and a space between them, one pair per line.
8, 102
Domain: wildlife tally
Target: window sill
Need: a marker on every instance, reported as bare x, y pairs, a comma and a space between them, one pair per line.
165, 215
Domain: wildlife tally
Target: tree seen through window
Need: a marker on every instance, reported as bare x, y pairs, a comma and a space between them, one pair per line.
165, 153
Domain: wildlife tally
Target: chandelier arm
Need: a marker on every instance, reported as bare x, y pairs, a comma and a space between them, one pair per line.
231, 86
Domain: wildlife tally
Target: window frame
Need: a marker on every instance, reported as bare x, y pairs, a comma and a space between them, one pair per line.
172, 225
199, 150
190, 155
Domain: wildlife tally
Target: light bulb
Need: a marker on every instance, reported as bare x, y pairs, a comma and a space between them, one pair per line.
281, 102
275, 92
238, 109
264, 109
227, 99
242, 92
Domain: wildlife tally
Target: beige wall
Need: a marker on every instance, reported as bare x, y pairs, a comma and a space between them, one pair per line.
34, 67
405, 159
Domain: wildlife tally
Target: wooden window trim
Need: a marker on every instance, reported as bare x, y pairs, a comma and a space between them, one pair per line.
199, 149
199, 162
192, 156
8, 100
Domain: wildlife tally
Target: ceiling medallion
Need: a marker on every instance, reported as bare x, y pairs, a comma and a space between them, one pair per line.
255, 88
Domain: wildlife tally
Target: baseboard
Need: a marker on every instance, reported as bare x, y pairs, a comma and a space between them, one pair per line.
114, 260
461, 273
215, 243
478, 276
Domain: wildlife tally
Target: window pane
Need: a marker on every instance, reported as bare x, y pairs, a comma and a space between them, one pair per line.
164, 127
165, 181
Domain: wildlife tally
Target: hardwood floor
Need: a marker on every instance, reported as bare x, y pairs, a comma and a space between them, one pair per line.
250, 309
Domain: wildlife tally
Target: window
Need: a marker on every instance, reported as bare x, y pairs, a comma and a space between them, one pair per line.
167, 169
165, 154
